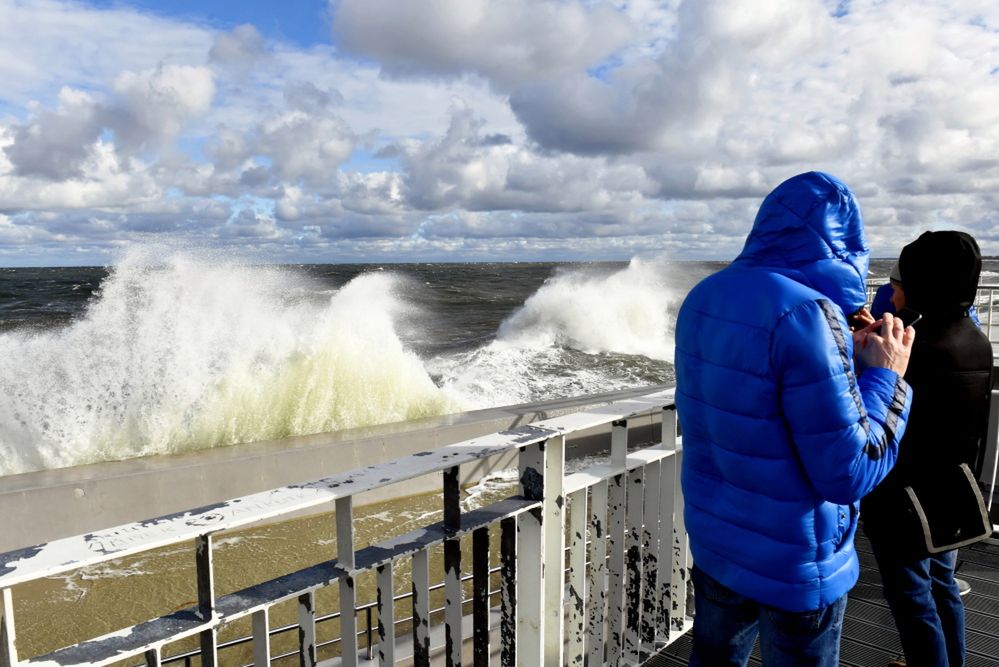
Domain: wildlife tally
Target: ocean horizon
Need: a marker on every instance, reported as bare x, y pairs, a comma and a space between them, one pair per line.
167, 353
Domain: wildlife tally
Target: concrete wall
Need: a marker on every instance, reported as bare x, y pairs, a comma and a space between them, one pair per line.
42, 506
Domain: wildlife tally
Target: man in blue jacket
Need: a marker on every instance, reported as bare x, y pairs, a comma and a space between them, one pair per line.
781, 439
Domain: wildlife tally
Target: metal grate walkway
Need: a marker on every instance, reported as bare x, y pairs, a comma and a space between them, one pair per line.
869, 637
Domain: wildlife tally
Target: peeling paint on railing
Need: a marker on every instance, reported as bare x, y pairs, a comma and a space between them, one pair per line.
636, 522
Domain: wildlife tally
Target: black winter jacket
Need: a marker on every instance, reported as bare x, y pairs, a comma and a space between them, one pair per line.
950, 372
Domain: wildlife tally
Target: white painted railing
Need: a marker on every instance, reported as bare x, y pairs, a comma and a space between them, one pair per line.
627, 554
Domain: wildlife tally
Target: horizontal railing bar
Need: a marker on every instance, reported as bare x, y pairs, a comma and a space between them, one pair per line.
127, 643
234, 606
273, 632
72, 553
594, 474
243, 603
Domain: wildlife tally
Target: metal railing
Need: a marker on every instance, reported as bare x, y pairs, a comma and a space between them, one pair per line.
628, 560
367, 632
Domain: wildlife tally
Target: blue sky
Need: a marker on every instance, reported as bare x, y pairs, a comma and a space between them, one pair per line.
303, 23
465, 130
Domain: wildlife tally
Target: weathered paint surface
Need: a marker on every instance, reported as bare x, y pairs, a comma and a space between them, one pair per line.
307, 630
681, 552
531, 527
635, 517
508, 592
452, 602
597, 555
576, 622
553, 531
386, 615
667, 502
480, 597
99, 546
616, 503
348, 622
650, 557
421, 609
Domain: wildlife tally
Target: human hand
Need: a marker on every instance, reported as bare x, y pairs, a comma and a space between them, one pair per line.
886, 343
860, 319
860, 325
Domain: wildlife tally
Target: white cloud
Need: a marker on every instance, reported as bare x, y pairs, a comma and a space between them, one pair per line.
475, 129
154, 105
505, 42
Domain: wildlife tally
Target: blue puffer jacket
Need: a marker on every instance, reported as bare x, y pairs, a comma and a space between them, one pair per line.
780, 438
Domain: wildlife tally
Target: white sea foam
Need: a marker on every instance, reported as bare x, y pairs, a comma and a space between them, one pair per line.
181, 351
539, 350
626, 311
184, 351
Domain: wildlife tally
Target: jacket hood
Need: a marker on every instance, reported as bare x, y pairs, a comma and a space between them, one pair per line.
940, 272
810, 229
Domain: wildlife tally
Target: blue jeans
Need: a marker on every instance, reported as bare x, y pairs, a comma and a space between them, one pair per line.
726, 625
926, 604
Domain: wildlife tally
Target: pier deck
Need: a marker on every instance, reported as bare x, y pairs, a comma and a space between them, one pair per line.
869, 636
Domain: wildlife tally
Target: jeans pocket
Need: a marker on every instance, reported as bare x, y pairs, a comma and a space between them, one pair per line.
710, 589
795, 623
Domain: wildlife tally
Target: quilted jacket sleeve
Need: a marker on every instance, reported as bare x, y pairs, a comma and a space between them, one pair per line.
846, 430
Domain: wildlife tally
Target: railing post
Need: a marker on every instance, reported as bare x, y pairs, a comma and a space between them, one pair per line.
348, 595
307, 629
508, 592
617, 504
261, 639
668, 437
634, 577
650, 555
597, 555
386, 616
367, 633
152, 657
8, 636
421, 609
206, 599
553, 527
667, 525
452, 569
576, 624
530, 553
480, 597
681, 553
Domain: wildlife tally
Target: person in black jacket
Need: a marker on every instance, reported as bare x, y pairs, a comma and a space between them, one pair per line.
950, 372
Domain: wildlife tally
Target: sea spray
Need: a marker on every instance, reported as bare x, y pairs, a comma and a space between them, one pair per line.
184, 352
586, 330
626, 311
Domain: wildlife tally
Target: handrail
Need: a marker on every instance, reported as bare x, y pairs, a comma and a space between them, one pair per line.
64, 555
631, 505
367, 607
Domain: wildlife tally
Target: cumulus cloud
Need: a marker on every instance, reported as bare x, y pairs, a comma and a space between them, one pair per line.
473, 129
238, 48
709, 69
145, 110
55, 144
153, 106
505, 42
470, 169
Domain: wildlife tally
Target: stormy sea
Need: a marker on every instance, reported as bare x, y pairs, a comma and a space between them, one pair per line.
170, 352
